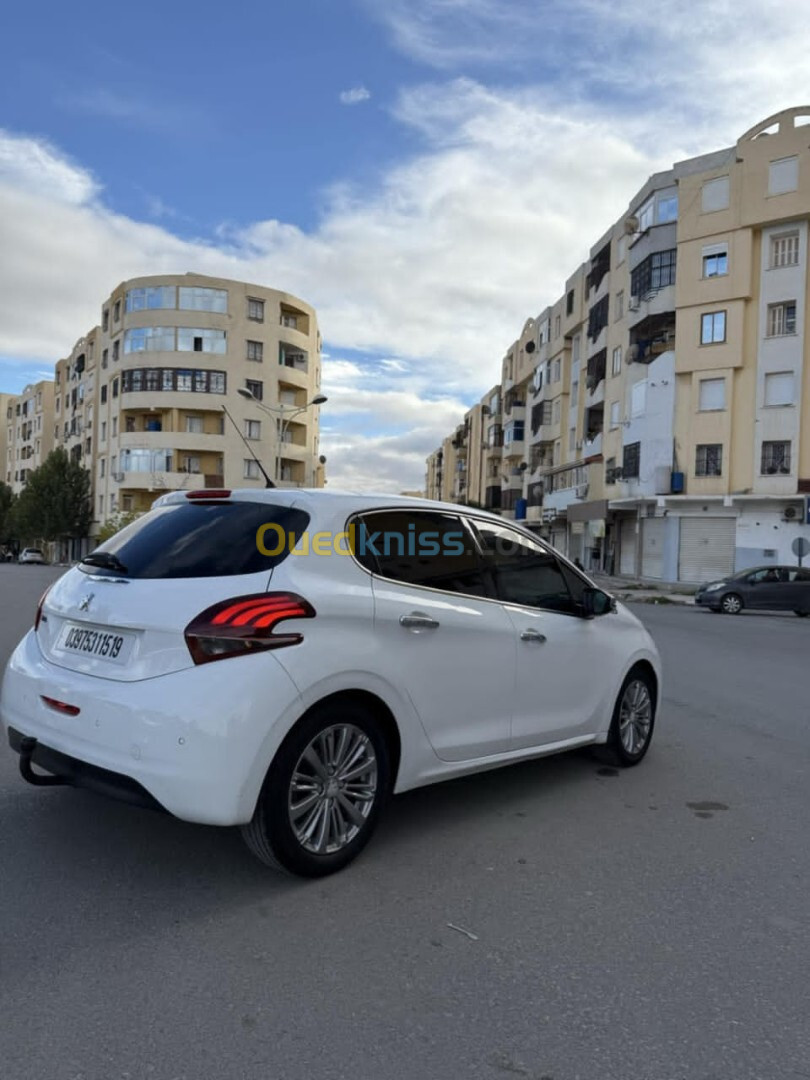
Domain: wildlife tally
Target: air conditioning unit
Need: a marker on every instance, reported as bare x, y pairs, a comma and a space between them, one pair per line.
635, 303
631, 225
790, 513
631, 356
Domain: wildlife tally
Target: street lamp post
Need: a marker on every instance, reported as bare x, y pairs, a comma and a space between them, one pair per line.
281, 416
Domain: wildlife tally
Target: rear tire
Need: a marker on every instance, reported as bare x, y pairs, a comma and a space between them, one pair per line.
633, 723
311, 819
732, 604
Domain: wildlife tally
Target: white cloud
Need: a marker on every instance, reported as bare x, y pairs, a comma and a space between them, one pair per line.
355, 96
33, 165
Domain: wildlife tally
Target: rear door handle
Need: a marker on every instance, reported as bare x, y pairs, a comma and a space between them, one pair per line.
417, 620
533, 635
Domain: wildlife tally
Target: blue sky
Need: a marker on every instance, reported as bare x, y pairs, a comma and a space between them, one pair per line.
426, 172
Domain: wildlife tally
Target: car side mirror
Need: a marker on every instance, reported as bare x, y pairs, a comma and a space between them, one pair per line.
596, 602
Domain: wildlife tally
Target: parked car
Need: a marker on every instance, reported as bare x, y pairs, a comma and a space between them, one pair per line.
31, 555
193, 664
762, 588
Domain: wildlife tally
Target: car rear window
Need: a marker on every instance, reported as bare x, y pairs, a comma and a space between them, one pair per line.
199, 539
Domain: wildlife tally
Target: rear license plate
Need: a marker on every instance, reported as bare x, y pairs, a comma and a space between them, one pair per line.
95, 642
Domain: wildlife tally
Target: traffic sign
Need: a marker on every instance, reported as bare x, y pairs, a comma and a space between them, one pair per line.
801, 547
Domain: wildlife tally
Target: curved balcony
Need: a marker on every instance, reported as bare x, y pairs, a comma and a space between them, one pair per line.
171, 440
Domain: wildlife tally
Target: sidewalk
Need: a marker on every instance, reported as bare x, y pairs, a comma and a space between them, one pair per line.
632, 590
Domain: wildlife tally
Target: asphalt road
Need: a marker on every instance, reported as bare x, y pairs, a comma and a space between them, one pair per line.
652, 924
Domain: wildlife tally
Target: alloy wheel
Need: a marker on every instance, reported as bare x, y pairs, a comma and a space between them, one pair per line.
635, 717
333, 788
732, 605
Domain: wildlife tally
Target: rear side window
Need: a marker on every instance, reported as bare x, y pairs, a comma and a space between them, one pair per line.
525, 572
419, 547
199, 539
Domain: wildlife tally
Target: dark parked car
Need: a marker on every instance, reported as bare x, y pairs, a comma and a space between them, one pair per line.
769, 588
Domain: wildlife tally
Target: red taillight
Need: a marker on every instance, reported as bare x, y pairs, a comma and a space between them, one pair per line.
38, 617
245, 624
61, 706
212, 493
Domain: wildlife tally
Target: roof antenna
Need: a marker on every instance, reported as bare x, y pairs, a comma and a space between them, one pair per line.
268, 483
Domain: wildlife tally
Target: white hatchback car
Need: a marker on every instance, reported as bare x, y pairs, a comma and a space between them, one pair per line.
283, 660
31, 555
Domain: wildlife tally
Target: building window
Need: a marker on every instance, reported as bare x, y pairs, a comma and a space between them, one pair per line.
631, 460
785, 250
572, 438
712, 395
646, 215
615, 413
782, 319
575, 347
557, 370
656, 272
255, 350
149, 339
105, 320
117, 311
127, 503
104, 358
251, 469
114, 426
598, 318
190, 339
116, 349
557, 326
775, 457
616, 362
513, 432
569, 303
638, 398
574, 392
194, 298
104, 394
101, 506
715, 262
715, 195
151, 299
115, 388
167, 379
256, 310
713, 328
253, 429
255, 387
194, 425
783, 175
779, 388
102, 465
709, 459
557, 411
103, 431
667, 209
190, 463
618, 307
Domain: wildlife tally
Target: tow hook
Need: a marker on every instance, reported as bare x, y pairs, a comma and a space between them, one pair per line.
28, 745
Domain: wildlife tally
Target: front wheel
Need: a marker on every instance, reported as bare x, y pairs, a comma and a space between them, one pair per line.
633, 720
731, 604
323, 793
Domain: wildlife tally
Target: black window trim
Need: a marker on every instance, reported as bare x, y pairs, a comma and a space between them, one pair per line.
469, 520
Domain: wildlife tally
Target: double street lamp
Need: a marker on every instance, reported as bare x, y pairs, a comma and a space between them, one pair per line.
282, 417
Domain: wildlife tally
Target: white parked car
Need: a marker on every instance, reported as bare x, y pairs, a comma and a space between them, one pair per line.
31, 555
193, 664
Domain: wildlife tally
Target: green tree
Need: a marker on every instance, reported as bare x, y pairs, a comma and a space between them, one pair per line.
55, 502
115, 524
6, 515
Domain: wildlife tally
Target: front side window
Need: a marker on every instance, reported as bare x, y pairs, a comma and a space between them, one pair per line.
713, 328
192, 298
190, 339
775, 457
151, 299
709, 460
782, 319
524, 572
417, 547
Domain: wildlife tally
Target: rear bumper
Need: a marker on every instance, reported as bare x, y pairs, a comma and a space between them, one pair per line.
197, 742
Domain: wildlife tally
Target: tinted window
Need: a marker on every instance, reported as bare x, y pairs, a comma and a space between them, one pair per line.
421, 548
525, 573
196, 539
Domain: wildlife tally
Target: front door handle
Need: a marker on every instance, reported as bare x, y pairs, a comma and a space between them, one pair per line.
417, 620
533, 635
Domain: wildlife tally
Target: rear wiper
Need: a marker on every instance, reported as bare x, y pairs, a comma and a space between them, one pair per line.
105, 560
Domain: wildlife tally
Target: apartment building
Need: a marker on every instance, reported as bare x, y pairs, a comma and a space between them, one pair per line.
133, 406
28, 432
668, 384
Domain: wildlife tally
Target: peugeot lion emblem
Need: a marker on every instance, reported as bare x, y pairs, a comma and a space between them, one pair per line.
86, 602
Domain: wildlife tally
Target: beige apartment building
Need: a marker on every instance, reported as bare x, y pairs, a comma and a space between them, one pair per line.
187, 383
27, 432
668, 385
